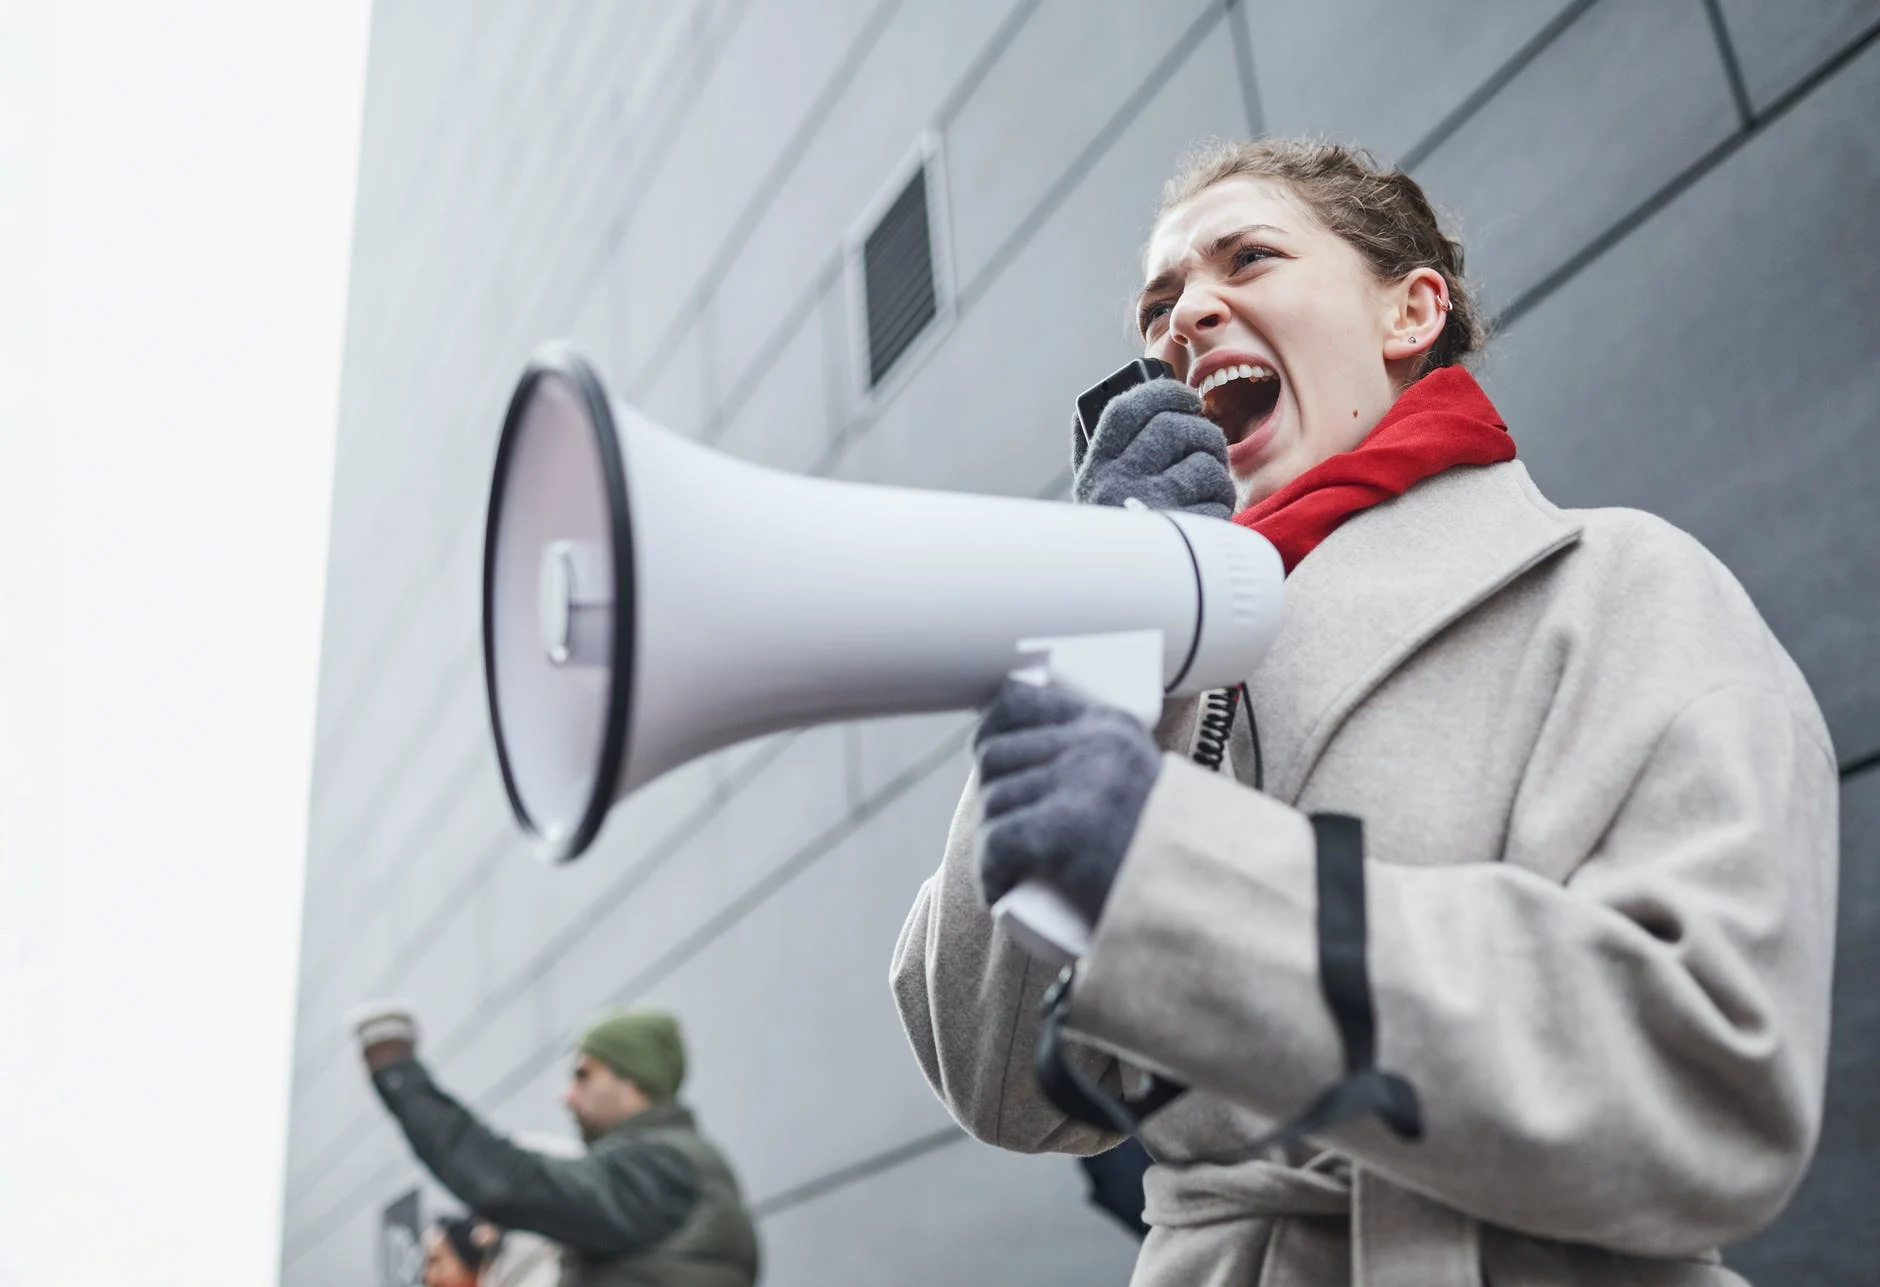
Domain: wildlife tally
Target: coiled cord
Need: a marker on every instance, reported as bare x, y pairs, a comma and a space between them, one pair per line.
1216, 727
1219, 709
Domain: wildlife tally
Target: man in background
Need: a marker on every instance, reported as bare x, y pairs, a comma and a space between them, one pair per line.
651, 1202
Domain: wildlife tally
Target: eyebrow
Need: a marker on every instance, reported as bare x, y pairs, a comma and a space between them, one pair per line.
1169, 278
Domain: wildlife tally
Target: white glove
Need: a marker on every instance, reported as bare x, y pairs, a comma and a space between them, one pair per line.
384, 1025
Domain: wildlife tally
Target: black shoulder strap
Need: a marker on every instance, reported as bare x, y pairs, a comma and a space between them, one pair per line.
1345, 979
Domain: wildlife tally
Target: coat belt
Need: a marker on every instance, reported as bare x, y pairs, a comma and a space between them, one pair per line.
1399, 1238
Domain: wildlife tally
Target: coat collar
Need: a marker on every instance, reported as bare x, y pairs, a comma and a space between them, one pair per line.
1382, 586
661, 1115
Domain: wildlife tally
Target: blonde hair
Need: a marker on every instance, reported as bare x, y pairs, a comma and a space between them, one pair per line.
1382, 214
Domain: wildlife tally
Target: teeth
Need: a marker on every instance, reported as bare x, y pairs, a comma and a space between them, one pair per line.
1245, 371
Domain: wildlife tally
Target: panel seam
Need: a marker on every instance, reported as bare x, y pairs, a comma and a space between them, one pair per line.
1686, 179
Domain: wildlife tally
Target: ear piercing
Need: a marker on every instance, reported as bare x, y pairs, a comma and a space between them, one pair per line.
1442, 304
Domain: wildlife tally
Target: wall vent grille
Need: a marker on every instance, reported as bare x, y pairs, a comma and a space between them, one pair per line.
898, 278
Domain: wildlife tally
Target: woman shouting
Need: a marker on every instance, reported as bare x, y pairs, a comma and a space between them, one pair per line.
1498, 949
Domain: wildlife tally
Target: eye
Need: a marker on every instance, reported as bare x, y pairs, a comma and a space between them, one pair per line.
1150, 314
1248, 256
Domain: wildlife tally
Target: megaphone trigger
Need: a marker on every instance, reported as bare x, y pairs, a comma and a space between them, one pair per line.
1122, 668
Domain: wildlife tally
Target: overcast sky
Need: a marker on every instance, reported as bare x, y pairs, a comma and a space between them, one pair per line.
176, 194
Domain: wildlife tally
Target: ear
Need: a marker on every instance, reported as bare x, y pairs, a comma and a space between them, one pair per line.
1419, 309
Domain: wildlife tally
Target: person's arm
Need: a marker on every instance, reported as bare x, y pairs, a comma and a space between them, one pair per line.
617, 1200
1631, 1057
970, 1000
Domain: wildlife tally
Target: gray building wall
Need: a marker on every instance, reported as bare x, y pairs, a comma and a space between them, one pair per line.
1669, 204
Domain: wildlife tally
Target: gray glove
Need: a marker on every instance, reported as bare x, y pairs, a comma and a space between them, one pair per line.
1153, 443
1062, 782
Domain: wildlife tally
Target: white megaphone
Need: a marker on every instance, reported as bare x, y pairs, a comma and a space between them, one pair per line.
647, 600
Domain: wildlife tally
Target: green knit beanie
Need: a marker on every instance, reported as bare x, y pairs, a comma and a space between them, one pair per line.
643, 1046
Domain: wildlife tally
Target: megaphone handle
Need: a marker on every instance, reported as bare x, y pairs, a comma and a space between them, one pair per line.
1043, 922
1123, 668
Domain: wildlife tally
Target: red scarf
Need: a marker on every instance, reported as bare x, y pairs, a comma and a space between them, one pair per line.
1441, 421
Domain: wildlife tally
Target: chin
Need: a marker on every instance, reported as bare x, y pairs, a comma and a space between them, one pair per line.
1251, 489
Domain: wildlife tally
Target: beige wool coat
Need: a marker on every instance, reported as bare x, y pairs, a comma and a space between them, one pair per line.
1600, 812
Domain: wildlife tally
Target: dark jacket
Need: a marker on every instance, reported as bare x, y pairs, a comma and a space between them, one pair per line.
651, 1205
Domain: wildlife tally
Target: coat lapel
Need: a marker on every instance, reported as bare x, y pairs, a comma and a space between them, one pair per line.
1382, 586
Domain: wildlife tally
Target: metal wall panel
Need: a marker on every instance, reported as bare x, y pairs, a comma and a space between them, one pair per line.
1066, 72
784, 420
764, 78
674, 394
1717, 367
1534, 179
790, 1017
880, 751
1028, 1218
1778, 45
1385, 75
990, 412
1829, 1233
880, 112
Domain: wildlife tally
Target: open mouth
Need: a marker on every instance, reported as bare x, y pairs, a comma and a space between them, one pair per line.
1240, 399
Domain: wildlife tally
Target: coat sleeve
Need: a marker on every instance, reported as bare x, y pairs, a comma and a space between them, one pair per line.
1632, 1057
611, 1202
970, 1000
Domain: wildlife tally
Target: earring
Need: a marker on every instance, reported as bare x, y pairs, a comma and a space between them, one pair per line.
1412, 339
1443, 304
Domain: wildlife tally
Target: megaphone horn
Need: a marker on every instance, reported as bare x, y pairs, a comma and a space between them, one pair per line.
647, 600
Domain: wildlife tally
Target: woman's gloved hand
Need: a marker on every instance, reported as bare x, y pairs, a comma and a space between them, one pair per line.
1062, 781
1153, 443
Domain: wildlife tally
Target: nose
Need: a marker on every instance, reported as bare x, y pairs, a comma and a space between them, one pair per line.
1198, 311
